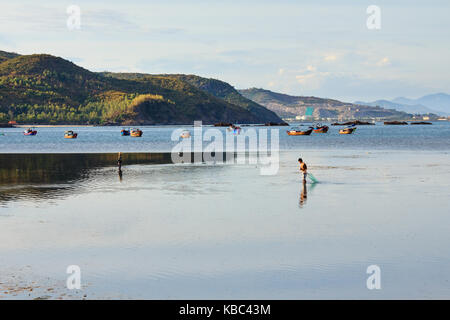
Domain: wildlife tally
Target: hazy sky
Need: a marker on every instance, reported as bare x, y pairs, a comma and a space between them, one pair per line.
320, 48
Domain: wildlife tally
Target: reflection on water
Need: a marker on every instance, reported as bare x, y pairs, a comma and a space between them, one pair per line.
303, 194
44, 176
56, 168
47, 176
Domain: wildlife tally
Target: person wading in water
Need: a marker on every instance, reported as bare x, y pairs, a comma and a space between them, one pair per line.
119, 165
119, 161
303, 169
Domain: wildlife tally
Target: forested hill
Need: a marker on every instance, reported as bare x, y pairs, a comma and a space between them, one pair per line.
217, 88
226, 92
44, 89
7, 55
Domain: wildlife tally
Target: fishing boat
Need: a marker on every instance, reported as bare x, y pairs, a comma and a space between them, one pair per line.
185, 134
125, 132
30, 132
320, 128
348, 130
70, 135
136, 133
298, 132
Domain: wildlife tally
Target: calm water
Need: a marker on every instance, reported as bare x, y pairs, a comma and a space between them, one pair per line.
204, 230
158, 139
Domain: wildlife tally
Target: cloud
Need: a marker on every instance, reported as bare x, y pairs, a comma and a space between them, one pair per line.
313, 80
303, 78
383, 62
330, 57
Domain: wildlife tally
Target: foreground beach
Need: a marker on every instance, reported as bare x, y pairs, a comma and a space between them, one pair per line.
205, 231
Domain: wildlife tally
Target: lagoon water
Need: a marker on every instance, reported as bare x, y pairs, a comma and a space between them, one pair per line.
158, 139
213, 231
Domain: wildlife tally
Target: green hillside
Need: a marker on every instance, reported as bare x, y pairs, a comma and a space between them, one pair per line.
226, 92
44, 89
217, 88
7, 55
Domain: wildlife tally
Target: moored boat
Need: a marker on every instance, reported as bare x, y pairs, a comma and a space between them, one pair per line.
320, 128
70, 135
30, 132
349, 130
298, 132
136, 133
125, 132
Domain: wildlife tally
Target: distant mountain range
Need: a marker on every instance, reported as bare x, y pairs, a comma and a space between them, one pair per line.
287, 106
438, 103
43, 89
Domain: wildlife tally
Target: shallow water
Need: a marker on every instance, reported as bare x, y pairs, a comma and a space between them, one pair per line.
188, 231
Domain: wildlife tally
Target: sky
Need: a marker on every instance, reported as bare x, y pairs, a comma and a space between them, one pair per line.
316, 48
